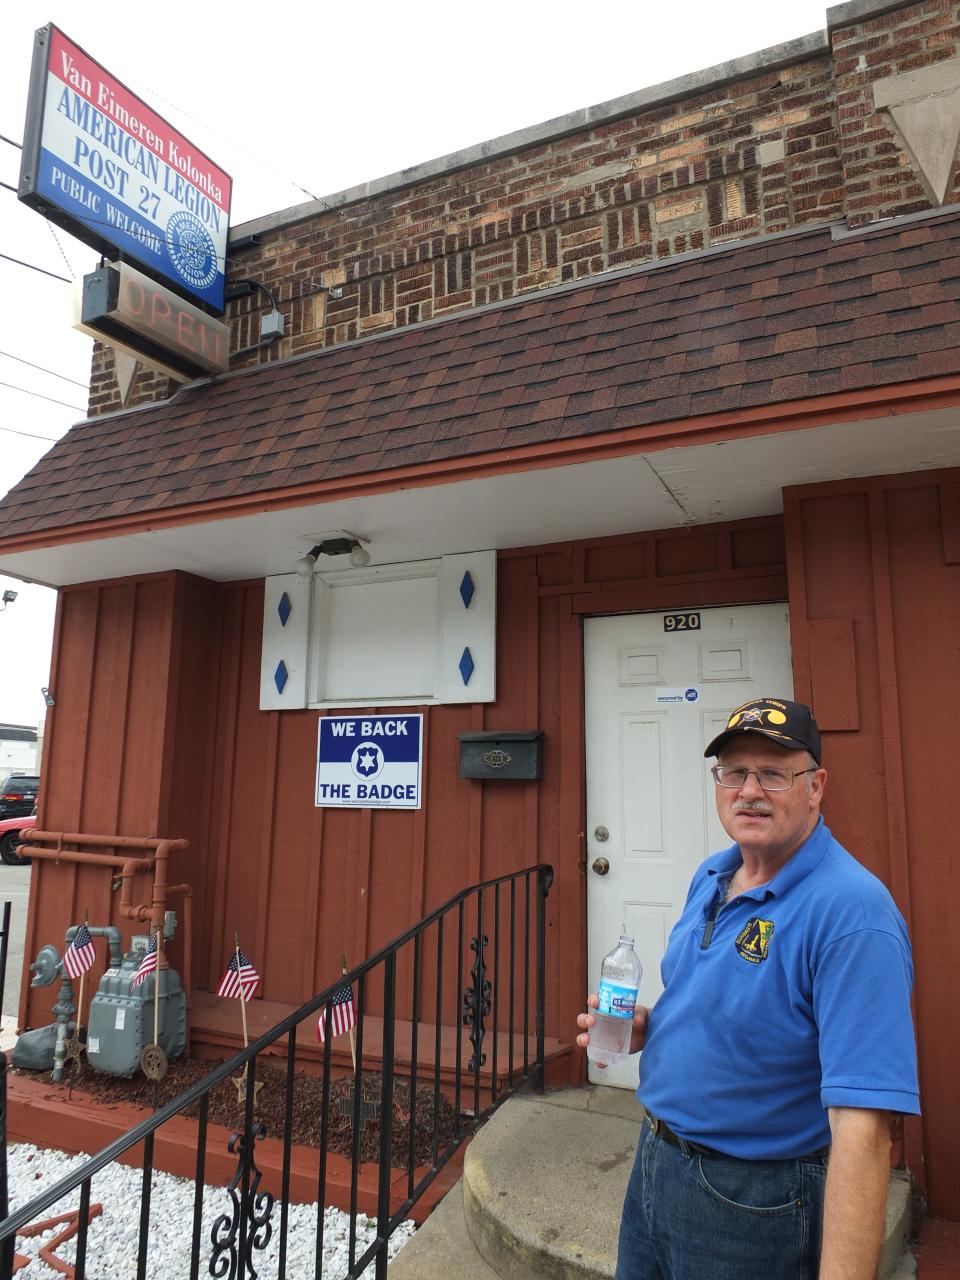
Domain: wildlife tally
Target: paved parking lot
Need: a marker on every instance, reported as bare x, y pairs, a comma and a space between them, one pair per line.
15, 888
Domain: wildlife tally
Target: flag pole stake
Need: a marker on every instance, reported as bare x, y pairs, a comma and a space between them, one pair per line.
156, 994
352, 1032
243, 998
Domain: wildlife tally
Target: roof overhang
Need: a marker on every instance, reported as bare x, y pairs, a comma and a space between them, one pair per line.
601, 488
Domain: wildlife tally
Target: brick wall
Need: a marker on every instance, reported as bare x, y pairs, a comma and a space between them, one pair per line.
880, 179
760, 155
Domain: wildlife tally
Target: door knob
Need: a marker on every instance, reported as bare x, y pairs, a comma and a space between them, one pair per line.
601, 866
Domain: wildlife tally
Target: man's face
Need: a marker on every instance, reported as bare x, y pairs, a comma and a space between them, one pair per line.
769, 825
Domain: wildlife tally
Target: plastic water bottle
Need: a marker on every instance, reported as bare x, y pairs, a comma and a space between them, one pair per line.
620, 976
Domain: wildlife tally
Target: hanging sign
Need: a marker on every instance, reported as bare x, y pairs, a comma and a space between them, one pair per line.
370, 762
132, 312
101, 163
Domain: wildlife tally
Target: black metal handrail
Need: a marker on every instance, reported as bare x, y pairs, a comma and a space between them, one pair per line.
247, 1228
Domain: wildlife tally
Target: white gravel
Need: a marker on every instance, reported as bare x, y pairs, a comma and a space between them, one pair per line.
113, 1237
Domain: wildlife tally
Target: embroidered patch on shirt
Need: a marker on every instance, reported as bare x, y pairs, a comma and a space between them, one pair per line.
754, 939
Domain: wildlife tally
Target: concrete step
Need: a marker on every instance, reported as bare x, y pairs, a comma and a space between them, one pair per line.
442, 1247
541, 1194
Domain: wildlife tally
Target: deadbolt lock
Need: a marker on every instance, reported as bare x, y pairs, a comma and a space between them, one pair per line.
601, 834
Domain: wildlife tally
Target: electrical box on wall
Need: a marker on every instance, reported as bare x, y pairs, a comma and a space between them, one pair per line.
511, 755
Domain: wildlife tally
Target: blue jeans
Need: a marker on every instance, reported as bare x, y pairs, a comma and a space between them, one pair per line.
697, 1217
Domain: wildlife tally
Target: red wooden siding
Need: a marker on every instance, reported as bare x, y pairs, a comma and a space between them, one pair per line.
875, 612
157, 729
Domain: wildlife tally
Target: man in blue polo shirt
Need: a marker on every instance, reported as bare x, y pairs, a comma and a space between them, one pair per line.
782, 1042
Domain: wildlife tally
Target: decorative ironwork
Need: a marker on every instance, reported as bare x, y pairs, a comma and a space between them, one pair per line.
497, 758
476, 1003
249, 1215
513, 908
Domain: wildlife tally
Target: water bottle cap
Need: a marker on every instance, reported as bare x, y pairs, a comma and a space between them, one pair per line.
626, 938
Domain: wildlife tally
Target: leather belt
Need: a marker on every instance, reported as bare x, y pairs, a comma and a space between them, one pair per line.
663, 1130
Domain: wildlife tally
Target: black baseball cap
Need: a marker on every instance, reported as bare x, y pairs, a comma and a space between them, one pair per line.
789, 724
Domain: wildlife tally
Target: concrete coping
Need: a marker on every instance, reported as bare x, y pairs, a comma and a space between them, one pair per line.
844, 15
697, 82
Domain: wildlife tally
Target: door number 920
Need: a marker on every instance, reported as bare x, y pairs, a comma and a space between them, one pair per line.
681, 622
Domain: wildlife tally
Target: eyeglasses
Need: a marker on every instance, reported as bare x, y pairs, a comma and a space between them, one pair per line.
769, 779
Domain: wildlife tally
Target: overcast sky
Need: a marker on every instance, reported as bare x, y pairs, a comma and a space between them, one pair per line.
300, 100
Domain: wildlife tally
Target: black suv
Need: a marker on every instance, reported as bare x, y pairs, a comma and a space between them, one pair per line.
18, 795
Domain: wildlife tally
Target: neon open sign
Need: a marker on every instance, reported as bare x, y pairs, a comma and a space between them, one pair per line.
129, 310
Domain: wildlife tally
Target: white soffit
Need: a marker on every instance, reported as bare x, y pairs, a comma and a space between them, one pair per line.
663, 488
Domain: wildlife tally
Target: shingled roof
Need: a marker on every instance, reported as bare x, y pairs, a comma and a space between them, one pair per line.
761, 322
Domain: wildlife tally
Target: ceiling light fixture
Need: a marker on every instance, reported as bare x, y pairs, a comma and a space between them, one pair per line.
346, 546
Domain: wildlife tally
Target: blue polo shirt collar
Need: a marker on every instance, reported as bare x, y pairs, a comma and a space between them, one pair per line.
800, 865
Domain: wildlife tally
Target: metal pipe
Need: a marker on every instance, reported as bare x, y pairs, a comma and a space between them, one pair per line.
48, 846
108, 931
110, 842
187, 892
86, 859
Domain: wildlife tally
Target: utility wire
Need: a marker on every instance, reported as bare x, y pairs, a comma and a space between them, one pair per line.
31, 435
63, 254
18, 145
63, 377
267, 168
8, 187
13, 387
42, 271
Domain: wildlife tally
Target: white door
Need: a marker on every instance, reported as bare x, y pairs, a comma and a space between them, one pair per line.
658, 688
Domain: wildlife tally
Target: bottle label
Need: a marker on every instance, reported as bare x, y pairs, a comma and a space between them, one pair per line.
616, 1001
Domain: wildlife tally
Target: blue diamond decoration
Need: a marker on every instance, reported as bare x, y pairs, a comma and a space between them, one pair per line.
466, 666
467, 589
284, 608
281, 675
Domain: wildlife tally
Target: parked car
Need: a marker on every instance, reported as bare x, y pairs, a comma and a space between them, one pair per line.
10, 829
18, 795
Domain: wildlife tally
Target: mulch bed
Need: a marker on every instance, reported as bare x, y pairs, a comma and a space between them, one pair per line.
226, 1106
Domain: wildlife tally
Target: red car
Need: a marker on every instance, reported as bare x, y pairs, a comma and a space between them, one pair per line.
10, 829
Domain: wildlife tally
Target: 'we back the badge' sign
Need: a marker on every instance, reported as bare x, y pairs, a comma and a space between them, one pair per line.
101, 163
370, 762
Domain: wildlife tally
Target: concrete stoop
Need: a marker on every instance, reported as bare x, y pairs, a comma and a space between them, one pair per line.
542, 1188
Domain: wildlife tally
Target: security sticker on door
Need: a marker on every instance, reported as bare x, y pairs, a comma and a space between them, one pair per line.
370, 762
675, 697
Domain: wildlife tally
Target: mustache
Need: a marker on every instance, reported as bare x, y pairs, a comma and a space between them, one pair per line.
752, 806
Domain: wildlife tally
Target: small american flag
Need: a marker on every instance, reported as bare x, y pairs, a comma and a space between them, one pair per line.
147, 965
80, 954
344, 1013
240, 978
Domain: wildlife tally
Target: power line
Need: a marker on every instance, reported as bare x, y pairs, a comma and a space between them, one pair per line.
42, 270
13, 387
62, 376
31, 435
63, 255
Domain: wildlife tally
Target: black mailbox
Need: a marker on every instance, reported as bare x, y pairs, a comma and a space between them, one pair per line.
511, 755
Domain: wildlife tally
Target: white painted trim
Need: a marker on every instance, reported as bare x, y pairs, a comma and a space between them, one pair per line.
458, 627
285, 643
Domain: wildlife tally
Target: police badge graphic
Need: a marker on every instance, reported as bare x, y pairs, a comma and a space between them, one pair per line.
754, 939
367, 760
191, 248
